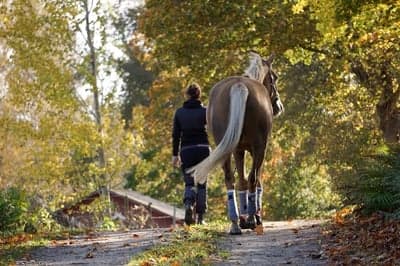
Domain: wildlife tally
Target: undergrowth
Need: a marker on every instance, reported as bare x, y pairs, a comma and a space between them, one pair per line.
379, 184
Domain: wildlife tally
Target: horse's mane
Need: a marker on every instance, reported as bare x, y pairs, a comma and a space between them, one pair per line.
255, 70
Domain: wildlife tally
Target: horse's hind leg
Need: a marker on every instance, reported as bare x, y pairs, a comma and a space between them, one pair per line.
255, 189
232, 205
242, 189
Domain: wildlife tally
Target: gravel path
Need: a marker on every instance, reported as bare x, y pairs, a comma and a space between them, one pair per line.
281, 243
113, 248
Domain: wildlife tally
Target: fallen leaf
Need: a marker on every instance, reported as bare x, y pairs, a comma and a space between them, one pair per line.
259, 229
163, 259
175, 263
148, 262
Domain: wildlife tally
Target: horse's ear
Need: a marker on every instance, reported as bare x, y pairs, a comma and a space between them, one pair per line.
269, 60
253, 53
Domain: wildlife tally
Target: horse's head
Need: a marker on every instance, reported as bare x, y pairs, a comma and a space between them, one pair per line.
269, 81
261, 69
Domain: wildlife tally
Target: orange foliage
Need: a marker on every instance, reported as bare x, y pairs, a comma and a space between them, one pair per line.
373, 240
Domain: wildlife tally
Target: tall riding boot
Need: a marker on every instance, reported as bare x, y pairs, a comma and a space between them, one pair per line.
189, 199
200, 219
189, 214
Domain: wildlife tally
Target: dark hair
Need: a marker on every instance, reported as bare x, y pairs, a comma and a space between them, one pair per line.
193, 91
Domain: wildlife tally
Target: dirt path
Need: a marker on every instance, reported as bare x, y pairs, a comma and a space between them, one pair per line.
113, 248
282, 243
296, 243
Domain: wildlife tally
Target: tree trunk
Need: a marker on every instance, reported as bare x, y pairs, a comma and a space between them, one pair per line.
104, 187
93, 72
387, 110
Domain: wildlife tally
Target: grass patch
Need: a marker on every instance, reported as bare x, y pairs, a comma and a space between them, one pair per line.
195, 245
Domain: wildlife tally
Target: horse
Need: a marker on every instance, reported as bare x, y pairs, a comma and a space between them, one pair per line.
239, 116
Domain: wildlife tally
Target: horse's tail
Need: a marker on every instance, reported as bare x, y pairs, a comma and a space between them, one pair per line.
238, 96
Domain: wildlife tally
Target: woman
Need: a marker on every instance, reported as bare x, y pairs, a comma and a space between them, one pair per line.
189, 139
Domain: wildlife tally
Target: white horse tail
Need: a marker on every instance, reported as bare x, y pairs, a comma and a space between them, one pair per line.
237, 108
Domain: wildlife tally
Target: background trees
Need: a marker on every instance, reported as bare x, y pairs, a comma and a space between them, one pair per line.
55, 143
338, 63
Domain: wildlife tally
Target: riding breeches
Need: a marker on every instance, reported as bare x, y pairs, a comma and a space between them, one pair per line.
190, 156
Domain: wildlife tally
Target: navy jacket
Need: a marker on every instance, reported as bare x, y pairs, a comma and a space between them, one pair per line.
189, 125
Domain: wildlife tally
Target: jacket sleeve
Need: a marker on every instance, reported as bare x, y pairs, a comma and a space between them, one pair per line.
176, 136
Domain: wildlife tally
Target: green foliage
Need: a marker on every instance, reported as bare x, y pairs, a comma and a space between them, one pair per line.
300, 192
49, 143
39, 219
339, 63
137, 81
150, 178
379, 180
108, 224
13, 208
187, 47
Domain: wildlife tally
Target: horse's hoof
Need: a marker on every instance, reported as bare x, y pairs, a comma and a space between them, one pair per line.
235, 229
251, 222
243, 223
258, 219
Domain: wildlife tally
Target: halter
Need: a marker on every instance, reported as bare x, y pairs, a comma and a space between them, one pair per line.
277, 105
274, 91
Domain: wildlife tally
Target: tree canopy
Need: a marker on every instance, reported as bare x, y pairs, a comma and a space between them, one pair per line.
338, 64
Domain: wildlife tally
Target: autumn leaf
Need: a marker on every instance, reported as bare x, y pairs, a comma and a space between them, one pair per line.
149, 262
259, 229
175, 263
363, 240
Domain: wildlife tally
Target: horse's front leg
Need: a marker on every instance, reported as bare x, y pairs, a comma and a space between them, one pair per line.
232, 205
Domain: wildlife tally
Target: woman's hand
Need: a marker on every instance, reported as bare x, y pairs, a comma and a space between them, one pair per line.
176, 161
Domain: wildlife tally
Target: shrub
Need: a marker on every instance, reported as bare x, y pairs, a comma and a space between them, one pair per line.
302, 191
13, 207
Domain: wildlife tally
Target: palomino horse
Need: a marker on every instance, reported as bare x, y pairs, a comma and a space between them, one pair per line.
239, 115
